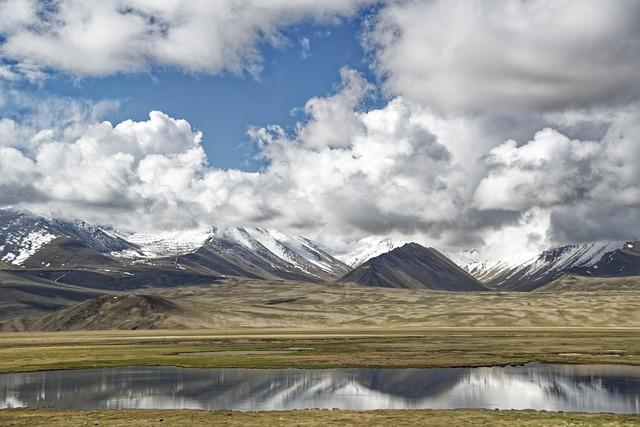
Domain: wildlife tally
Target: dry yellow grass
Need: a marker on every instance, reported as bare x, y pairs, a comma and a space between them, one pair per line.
122, 418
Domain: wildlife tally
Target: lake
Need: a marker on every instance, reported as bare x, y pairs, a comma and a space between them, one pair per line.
585, 388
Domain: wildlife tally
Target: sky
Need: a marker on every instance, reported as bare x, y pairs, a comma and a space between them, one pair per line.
486, 129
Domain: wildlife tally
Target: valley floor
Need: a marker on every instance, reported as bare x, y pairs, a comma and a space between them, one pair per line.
243, 303
287, 324
60, 418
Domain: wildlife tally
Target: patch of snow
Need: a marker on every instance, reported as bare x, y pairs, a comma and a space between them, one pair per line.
273, 245
27, 246
302, 247
127, 253
240, 236
295, 251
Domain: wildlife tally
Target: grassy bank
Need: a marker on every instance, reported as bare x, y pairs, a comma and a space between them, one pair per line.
55, 418
326, 348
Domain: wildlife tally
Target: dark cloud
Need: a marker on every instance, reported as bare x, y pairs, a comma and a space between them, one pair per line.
482, 55
587, 222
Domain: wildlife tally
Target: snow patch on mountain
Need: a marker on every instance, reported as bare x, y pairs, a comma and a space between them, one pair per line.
169, 243
367, 248
26, 246
550, 261
295, 250
275, 247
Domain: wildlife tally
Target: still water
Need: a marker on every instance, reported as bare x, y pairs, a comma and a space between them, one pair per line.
532, 386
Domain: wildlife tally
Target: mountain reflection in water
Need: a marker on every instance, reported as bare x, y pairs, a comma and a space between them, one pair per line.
532, 386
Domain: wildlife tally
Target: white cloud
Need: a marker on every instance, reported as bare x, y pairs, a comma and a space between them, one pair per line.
305, 47
343, 174
483, 55
332, 120
111, 36
549, 170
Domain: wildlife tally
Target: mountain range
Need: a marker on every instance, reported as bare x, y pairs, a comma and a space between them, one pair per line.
50, 253
76, 251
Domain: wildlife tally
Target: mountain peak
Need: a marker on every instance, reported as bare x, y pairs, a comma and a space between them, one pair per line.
413, 266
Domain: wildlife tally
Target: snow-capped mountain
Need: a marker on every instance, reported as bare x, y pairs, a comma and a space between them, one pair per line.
267, 247
367, 248
588, 259
23, 234
37, 242
299, 252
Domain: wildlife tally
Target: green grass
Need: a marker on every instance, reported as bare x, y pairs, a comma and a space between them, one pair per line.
435, 347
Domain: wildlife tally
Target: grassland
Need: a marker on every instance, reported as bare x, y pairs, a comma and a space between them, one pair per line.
122, 418
274, 348
257, 324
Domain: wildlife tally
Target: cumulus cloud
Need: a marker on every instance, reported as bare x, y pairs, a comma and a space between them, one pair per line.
480, 55
587, 189
549, 170
111, 36
343, 171
26, 120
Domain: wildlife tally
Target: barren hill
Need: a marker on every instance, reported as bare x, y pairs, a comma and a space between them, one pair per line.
127, 311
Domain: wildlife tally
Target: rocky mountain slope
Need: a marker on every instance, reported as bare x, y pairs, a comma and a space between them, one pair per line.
595, 259
23, 235
21, 294
414, 267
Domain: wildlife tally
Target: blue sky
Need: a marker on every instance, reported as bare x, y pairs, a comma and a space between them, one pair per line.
224, 106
